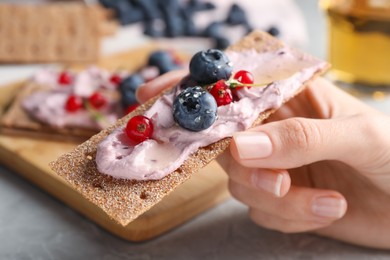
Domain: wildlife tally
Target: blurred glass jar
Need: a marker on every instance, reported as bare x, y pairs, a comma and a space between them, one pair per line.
359, 41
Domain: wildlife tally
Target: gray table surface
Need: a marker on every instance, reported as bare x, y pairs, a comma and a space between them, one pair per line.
34, 225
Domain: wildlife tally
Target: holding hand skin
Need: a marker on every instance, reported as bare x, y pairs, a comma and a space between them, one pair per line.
320, 164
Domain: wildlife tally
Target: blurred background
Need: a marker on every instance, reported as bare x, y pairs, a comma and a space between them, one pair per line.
64, 32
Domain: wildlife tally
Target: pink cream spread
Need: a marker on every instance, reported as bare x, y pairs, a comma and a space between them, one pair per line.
171, 145
48, 106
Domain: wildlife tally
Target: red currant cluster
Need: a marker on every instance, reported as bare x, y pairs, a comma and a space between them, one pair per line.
222, 89
96, 100
65, 78
75, 103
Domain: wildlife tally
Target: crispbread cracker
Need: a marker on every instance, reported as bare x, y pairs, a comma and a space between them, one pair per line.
66, 32
16, 121
125, 200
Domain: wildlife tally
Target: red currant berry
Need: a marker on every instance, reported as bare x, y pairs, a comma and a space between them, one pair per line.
97, 100
221, 93
64, 78
245, 77
139, 129
74, 103
130, 108
115, 79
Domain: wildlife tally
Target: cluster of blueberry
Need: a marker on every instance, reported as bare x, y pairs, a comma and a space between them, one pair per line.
163, 60
173, 18
208, 86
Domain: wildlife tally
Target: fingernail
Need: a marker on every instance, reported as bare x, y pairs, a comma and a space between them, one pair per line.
253, 145
329, 207
136, 93
268, 181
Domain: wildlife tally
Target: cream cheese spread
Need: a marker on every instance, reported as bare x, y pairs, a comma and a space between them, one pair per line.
171, 145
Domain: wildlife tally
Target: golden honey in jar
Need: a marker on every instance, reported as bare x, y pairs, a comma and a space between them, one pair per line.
359, 41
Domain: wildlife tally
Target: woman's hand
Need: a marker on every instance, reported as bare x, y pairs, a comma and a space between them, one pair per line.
320, 164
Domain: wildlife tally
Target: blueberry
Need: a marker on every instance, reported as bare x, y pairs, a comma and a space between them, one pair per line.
171, 14
163, 60
159, 57
127, 88
196, 5
187, 13
274, 31
187, 82
248, 28
195, 109
213, 30
236, 15
173, 25
169, 67
149, 8
207, 67
221, 43
127, 13
151, 29
189, 28
108, 3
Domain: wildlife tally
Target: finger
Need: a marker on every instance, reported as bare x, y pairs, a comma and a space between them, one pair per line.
300, 203
320, 99
154, 87
275, 182
284, 225
295, 142
328, 100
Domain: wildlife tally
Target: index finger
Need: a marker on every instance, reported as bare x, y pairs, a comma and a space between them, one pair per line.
155, 86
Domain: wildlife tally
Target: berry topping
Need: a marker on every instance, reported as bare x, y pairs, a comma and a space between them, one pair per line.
128, 88
187, 81
213, 30
163, 60
97, 100
245, 77
221, 93
195, 109
221, 43
126, 11
139, 128
209, 66
130, 108
64, 78
115, 79
73, 103
274, 31
236, 15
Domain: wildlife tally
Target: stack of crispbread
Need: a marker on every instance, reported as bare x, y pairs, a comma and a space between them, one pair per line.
56, 32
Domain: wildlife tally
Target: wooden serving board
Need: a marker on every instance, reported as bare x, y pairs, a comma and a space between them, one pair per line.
30, 158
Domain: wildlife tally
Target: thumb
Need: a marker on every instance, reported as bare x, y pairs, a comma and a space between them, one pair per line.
295, 142
155, 86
